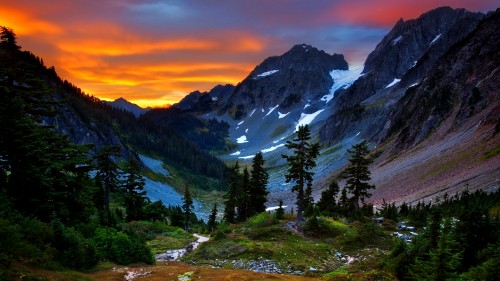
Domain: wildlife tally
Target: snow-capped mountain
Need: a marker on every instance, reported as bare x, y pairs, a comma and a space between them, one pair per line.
424, 81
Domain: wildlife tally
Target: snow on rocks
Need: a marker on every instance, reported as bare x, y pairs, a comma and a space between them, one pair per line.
272, 148
435, 39
306, 119
397, 40
394, 82
281, 115
241, 122
236, 153
271, 110
267, 73
242, 139
341, 79
251, 113
274, 208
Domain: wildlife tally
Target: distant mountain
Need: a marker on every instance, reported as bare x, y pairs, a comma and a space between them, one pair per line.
124, 104
417, 95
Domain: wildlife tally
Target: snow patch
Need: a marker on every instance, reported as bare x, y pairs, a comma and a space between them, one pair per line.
413, 85
274, 208
247, 157
273, 148
281, 115
394, 82
306, 119
253, 111
242, 139
246, 131
236, 153
267, 73
153, 164
358, 134
241, 122
276, 141
435, 39
306, 106
271, 110
395, 41
262, 110
341, 79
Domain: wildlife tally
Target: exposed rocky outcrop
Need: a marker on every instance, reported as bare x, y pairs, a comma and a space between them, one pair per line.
404, 57
297, 76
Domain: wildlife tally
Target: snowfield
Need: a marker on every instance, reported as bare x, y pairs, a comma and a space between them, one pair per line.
394, 82
342, 79
306, 119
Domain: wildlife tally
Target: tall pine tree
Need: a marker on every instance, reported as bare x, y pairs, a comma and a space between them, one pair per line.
258, 186
108, 179
187, 207
300, 165
135, 197
328, 200
357, 174
231, 196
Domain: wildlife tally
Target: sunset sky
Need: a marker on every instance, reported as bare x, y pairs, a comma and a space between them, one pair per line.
154, 52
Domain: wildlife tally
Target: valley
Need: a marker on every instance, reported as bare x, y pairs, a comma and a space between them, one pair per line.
304, 170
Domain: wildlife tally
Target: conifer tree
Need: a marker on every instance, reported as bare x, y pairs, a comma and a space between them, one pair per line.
107, 178
344, 202
134, 187
328, 201
357, 174
231, 196
212, 220
258, 186
280, 212
187, 207
300, 165
243, 196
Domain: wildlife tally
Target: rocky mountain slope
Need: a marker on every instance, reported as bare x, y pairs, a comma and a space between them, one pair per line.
429, 88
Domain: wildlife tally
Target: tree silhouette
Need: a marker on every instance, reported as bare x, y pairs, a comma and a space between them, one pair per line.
300, 165
357, 174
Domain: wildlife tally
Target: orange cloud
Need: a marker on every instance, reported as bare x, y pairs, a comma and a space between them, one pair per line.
25, 24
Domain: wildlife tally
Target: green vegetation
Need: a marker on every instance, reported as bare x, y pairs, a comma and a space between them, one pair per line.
495, 151
300, 165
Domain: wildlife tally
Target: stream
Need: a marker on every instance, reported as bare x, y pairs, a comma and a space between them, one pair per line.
173, 255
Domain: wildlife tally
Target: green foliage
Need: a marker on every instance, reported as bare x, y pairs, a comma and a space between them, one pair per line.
327, 203
212, 220
491, 153
280, 212
261, 220
257, 194
121, 248
187, 207
73, 250
357, 174
300, 165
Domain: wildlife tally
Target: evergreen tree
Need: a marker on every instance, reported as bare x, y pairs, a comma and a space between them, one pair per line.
443, 261
280, 212
258, 186
187, 207
357, 174
212, 220
328, 201
300, 165
231, 196
8, 39
243, 196
134, 187
108, 179
345, 203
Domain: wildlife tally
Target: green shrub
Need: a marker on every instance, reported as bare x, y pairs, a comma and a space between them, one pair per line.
262, 220
73, 250
121, 248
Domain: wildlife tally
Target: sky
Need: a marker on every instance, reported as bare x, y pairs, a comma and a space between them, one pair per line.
154, 52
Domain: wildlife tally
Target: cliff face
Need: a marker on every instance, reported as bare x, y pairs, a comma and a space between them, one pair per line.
463, 82
404, 57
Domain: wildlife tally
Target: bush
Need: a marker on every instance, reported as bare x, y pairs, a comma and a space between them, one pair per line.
121, 248
262, 220
73, 250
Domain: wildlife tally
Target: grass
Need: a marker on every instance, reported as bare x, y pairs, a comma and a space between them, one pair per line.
331, 150
489, 154
264, 237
